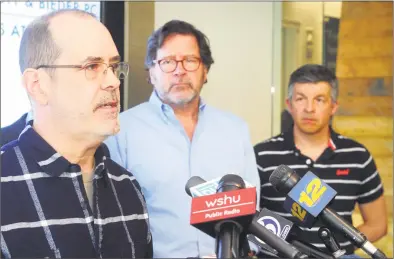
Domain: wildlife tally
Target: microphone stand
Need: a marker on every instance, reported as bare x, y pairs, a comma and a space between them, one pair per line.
228, 239
310, 250
330, 242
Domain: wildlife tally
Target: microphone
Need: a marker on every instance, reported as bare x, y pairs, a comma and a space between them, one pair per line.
224, 213
229, 231
310, 250
286, 230
193, 181
196, 186
307, 198
275, 223
205, 219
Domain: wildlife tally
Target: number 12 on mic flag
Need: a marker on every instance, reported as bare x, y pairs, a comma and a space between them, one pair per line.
308, 198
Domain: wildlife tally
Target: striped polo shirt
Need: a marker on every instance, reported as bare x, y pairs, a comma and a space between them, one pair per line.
45, 211
345, 165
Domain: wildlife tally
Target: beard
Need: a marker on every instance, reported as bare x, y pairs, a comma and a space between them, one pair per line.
179, 94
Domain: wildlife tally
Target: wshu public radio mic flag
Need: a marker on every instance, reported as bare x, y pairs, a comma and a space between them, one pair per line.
223, 205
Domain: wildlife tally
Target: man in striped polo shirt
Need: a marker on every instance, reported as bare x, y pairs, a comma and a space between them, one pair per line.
61, 194
312, 145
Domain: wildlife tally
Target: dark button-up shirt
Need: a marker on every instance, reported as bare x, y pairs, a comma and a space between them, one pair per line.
45, 211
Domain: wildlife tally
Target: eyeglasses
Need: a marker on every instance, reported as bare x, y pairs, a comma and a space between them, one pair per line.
168, 65
94, 70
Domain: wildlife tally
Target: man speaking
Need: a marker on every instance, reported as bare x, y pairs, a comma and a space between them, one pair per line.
61, 194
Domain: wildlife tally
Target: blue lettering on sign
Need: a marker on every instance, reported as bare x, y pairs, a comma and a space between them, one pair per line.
53, 6
69, 6
90, 8
23, 28
29, 4
59, 5
93, 9
18, 30
15, 31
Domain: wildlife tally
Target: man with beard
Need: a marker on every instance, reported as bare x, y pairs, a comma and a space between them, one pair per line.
176, 135
312, 145
61, 194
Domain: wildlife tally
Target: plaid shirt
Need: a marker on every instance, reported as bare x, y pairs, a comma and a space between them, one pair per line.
45, 210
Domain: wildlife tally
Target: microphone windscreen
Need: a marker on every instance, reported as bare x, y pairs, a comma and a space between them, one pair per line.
280, 175
193, 181
230, 182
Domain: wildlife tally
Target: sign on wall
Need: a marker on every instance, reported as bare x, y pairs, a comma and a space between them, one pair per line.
15, 16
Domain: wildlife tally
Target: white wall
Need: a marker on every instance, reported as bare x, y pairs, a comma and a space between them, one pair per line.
298, 17
241, 36
309, 15
332, 9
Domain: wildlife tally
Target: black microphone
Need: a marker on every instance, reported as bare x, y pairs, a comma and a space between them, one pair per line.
312, 197
228, 230
310, 250
280, 245
276, 224
222, 209
248, 221
193, 181
286, 230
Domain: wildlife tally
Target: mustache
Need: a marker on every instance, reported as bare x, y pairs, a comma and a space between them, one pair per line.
189, 84
108, 101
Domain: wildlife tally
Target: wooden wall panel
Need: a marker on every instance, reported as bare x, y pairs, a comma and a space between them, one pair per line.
365, 67
365, 105
364, 86
371, 9
368, 47
364, 126
365, 72
360, 28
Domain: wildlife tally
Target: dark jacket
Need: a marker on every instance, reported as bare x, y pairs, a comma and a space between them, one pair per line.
13, 131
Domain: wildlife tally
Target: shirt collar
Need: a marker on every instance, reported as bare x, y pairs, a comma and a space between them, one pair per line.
51, 161
29, 117
288, 137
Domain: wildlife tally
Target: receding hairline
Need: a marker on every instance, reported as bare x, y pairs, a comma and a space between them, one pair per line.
58, 24
53, 16
68, 12
38, 45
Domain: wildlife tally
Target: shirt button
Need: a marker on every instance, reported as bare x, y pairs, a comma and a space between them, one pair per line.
296, 154
308, 161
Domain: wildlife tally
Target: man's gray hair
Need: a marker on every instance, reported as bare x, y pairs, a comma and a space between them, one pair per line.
312, 73
37, 44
